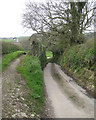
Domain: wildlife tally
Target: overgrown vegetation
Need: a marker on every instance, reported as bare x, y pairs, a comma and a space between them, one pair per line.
79, 61
30, 69
9, 57
9, 47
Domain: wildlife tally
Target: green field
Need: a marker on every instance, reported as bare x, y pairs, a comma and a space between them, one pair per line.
22, 37
7, 40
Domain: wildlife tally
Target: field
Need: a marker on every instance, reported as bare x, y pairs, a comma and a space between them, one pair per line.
7, 40
23, 37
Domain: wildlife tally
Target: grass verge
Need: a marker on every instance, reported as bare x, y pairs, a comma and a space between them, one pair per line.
30, 69
9, 57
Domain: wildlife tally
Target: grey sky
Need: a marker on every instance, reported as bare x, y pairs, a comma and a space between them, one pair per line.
11, 16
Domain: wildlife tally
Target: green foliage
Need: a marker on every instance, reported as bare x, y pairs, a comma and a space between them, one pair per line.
80, 56
9, 57
30, 69
49, 54
79, 60
38, 49
9, 47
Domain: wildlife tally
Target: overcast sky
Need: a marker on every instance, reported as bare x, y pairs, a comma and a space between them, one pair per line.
11, 17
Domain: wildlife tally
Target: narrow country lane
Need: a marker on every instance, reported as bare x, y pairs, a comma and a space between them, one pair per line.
67, 99
14, 93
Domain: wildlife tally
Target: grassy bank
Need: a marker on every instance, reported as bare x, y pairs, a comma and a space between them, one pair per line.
9, 57
79, 61
30, 70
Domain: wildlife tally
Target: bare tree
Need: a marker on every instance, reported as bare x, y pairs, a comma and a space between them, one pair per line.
67, 19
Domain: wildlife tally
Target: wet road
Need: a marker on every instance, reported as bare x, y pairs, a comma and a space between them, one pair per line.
68, 100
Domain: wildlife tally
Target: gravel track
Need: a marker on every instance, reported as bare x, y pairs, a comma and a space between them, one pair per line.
15, 93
